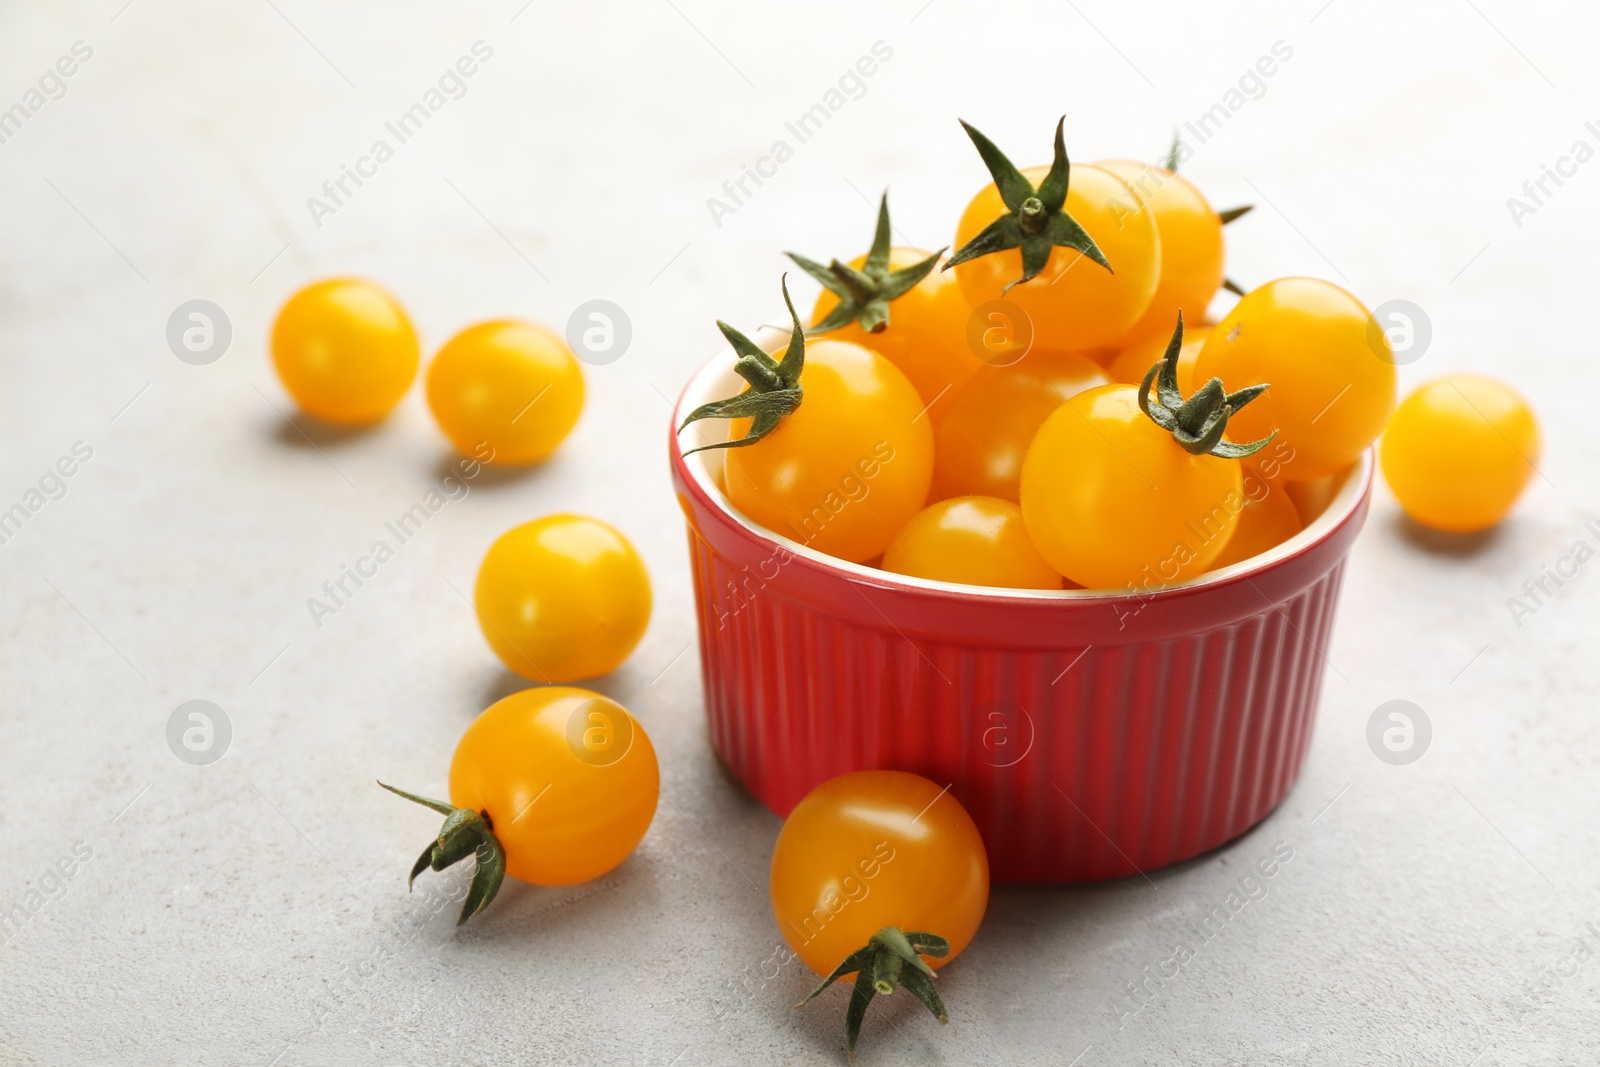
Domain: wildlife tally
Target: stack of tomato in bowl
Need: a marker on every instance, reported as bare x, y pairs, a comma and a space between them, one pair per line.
1024, 521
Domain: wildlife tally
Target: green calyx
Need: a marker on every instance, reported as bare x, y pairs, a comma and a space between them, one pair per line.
891, 958
1171, 163
864, 294
1036, 220
1197, 424
465, 833
774, 385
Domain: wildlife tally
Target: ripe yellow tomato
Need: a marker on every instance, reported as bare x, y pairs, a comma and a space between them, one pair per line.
872, 849
568, 779
1130, 364
1267, 519
846, 469
1191, 247
1111, 499
1074, 303
1329, 365
562, 598
981, 437
926, 335
974, 540
1459, 451
344, 350
510, 385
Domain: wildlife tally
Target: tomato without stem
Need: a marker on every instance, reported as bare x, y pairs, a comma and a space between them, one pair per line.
510, 385
562, 598
1330, 367
1191, 246
981, 437
974, 540
1459, 451
553, 786
1267, 518
871, 851
345, 350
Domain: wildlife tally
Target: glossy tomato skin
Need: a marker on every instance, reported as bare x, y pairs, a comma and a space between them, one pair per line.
926, 335
345, 350
1132, 363
982, 436
849, 467
974, 540
562, 598
1111, 499
1330, 371
1267, 519
1074, 303
872, 849
1191, 246
506, 389
1459, 452
567, 778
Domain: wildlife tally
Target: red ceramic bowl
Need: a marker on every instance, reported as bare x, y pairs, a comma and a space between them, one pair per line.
1091, 734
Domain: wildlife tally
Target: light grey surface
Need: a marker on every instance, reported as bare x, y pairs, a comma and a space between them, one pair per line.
253, 911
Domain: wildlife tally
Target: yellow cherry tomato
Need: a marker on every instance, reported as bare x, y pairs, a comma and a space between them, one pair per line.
1330, 369
872, 849
981, 437
1111, 499
974, 540
562, 598
1074, 303
926, 335
846, 469
1459, 451
553, 786
1131, 364
1191, 246
1267, 519
507, 389
344, 350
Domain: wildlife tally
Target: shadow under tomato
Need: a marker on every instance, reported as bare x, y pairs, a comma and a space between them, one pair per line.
453, 464
300, 430
1444, 542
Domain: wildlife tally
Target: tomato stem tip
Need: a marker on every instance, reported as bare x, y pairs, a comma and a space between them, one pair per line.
1036, 219
865, 293
465, 833
774, 390
889, 959
1196, 423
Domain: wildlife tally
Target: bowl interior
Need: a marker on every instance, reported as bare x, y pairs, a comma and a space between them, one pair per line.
715, 379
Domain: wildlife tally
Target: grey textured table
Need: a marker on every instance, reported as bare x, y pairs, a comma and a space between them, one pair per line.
253, 911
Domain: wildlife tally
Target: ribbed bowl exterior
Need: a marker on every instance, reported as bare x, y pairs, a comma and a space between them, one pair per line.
1090, 736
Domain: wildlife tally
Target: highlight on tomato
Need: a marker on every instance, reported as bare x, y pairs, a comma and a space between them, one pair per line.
984, 431
973, 540
562, 598
922, 333
513, 386
344, 350
553, 786
1122, 489
1072, 246
1331, 366
880, 875
1459, 451
828, 443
